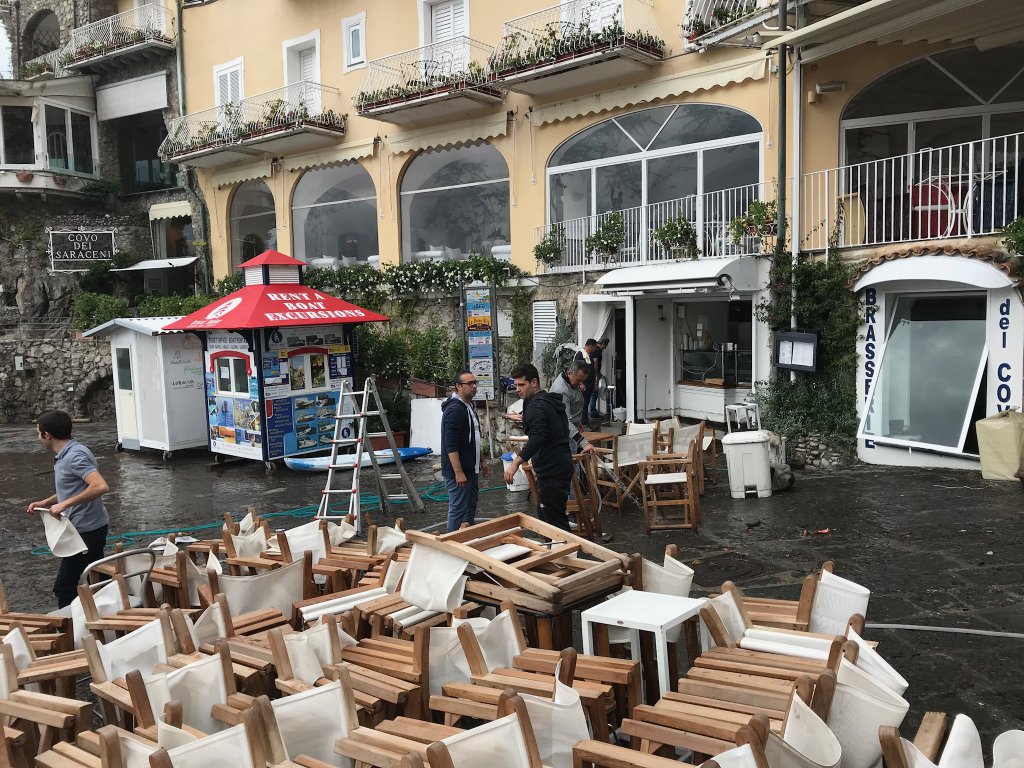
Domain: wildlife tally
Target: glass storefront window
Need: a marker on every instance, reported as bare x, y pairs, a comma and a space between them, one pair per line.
931, 372
253, 221
69, 140
19, 142
334, 213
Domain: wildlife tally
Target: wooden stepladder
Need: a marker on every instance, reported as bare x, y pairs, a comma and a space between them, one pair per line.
358, 407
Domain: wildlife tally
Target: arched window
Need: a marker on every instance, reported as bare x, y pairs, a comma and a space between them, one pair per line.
656, 164
455, 202
42, 34
252, 221
334, 213
939, 101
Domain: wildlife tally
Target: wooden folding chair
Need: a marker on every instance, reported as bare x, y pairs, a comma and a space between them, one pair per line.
31, 723
206, 688
108, 747
102, 622
308, 659
275, 590
241, 746
56, 673
507, 742
787, 614
143, 649
48, 633
181, 581
669, 490
931, 741
586, 501
599, 754
619, 473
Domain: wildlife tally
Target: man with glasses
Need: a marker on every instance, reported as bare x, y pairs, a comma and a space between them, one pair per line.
461, 463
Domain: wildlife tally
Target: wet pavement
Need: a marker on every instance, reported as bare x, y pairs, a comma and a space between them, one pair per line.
938, 548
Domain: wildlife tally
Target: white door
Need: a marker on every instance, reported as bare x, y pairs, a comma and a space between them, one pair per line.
308, 95
229, 94
125, 404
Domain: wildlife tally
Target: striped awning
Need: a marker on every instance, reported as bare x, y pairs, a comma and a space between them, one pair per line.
173, 210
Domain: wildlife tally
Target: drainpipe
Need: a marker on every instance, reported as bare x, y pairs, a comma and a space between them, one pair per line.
16, 41
780, 242
190, 186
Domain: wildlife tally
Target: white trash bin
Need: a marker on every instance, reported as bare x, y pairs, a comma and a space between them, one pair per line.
519, 481
746, 454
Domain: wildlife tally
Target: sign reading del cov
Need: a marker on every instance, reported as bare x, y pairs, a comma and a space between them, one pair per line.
71, 250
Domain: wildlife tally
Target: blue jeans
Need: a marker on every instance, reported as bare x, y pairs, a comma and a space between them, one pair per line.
462, 501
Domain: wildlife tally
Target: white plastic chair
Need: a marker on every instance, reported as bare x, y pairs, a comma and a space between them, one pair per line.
1008, 750
860, 706
835, 600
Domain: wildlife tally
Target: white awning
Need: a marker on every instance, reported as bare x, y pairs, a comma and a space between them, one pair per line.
699, 276
325, 158
132, 97
174, 210
691, 81
235, 175
158, 264
993, 23
147, 326
925, 272
462, 133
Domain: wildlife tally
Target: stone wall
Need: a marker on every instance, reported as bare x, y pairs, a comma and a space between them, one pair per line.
817, 450
70, 374
25, 14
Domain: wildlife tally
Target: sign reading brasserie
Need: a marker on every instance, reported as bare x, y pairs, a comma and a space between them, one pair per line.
78, 250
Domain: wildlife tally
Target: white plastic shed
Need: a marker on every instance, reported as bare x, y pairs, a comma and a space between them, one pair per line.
158, 384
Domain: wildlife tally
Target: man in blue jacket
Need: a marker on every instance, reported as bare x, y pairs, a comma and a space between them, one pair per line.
461, 463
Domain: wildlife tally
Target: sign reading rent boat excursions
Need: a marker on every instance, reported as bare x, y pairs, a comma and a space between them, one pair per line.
77, 251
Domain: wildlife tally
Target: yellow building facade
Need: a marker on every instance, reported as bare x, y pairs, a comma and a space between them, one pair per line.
397, 131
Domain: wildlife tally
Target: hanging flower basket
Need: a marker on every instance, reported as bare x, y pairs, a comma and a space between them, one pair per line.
25, 176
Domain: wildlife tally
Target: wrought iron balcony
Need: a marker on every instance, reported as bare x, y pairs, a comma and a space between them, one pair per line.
42, 67
298, 117
963, 191
135, 32
421, 84
749, 22
538, 51
722, 228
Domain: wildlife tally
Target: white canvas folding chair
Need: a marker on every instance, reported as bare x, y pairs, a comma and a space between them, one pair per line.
308, 724
198, 686
805, 742
499, 641
388, 540
309, 654
276, 590
962, 748
240, 747
620, 466
507, 742
141, 650
671, 578
55, 673
861, 705
434, 580
1008, 750
108, 599
558, 723
835, 600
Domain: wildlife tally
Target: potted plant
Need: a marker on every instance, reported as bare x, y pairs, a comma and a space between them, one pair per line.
428, 364
399, 414
695, 28
609, 236
549, 250
760, 220
24, 176
61, 179
679, 236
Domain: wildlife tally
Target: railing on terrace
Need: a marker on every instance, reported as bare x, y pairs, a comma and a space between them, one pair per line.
40, 65
293, 107
573, 29
710, 213
961, 191
122, 30
454, 65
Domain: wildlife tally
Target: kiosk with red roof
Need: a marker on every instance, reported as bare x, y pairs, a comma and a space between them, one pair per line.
275, 355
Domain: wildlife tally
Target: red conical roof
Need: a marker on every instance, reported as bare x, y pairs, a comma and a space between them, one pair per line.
275, 258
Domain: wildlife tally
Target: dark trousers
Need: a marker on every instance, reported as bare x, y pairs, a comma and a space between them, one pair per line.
552, 494
66, 585
588, 392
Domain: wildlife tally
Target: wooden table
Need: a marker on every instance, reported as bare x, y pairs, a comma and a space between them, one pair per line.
600, 438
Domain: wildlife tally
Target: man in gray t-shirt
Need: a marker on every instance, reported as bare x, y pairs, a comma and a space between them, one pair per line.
80, 488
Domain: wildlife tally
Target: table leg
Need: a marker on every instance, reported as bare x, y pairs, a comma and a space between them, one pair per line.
588, 640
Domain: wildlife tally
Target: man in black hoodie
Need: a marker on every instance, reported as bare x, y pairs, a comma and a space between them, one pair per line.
547, 449
461, 464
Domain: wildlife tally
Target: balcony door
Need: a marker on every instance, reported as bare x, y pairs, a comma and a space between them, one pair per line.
449, 24
302, 73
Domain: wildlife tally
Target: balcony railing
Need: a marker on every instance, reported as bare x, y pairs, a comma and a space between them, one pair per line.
962, 191
302, 106
450, 68
706, 16
47, 65
710, 213
576, 29
112, 35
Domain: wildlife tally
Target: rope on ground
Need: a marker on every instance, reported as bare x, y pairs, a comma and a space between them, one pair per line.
950, 630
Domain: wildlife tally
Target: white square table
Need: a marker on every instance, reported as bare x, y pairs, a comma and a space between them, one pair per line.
639, 612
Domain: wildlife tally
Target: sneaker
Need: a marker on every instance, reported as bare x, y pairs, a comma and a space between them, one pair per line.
595, 415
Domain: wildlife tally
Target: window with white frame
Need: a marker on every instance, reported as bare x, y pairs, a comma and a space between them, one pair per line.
232, 376
353, 32
229, 82
445, 20
302, 59
17, 136
70, 139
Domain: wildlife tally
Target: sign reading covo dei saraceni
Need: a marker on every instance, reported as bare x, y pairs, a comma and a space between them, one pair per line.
78, 250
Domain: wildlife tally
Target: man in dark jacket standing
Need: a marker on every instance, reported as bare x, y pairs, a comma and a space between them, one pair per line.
461, 464
546, 426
